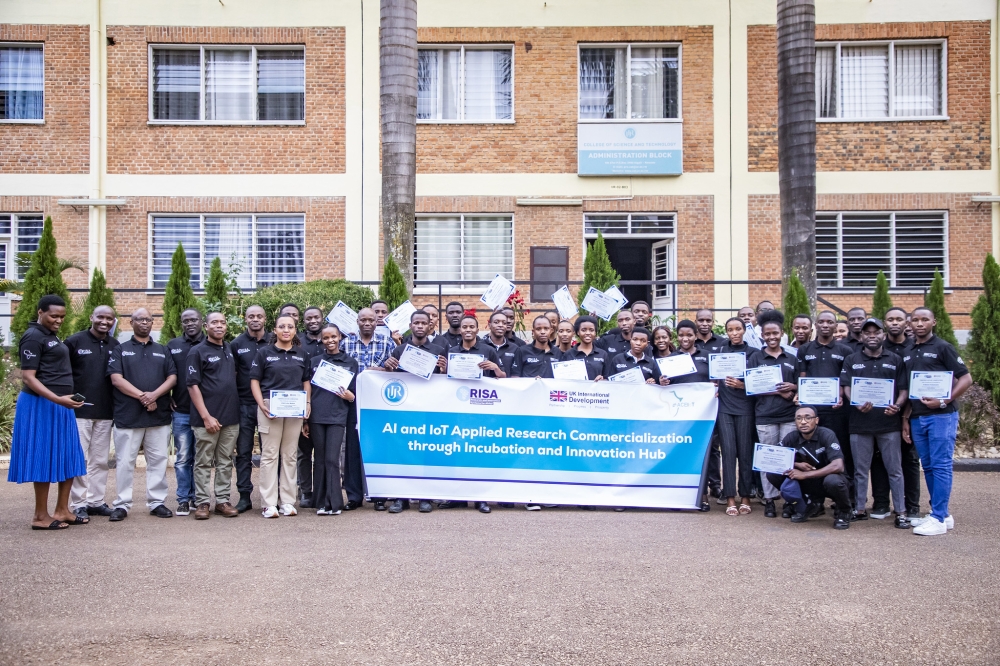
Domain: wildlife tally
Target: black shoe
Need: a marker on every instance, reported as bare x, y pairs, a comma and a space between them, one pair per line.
769, 510
588, 507
786, 510
380, 505
244, 504
82, 517
103, 510
306, 502
902, 522
858, 515
426, 506
118, 514
705, 507
483, 507
716, 492
842, 521
183, 508
800, 517
162, 512
506, 505
815, 510
452, 504
397, 506
353, 504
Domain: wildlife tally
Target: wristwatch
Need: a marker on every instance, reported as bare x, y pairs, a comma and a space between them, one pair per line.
942, 404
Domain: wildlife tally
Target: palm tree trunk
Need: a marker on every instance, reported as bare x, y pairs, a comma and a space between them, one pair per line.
797, 140
398, 109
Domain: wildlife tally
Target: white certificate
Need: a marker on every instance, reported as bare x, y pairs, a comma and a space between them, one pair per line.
819, 391
575, 369
288, 404
616, 294
791, 350
332, 377
564, 303
465, 366
344, 318
416, 361
763, 379
498, 292
630, 376
600, 304
879, 392
751, 338
676, 366
399, 319
773, 459
721, 366
930, 385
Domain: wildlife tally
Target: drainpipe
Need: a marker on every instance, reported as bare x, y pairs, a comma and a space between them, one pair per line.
97, 227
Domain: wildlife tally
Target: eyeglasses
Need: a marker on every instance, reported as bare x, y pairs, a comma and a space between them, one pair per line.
805, 419
144, 320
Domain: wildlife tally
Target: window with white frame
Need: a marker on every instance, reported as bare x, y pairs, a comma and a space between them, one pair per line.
627, 224
851, 248
23, 232
262, 249
880, 81
22, 83
465, 83
452, 248
633, 81
227, 84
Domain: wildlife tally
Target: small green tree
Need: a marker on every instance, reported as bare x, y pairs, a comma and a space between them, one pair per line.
599, 274
934, 300
796, 301
881, 301
392, 290
984, 340
44, 277
216, 289
178, 295
99, 294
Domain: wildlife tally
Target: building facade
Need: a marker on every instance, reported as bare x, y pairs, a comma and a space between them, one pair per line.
250, 131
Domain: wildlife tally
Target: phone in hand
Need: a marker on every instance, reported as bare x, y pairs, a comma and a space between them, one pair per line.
79, 397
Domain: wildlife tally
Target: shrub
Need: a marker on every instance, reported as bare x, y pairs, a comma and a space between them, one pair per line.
178, 295
984, 341
393, 287
10, 387
934, 300
323, 294
978, 422
99, 294
599, 274
44, 277
796, 301
881, 301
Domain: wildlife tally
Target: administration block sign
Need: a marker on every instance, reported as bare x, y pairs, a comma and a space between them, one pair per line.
629, 149
525, 440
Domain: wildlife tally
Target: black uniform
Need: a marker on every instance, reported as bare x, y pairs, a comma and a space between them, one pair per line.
713, 344
911, 460
934, 355
735, 425
212, 368
819, 452
326, 431
244, 349
505, 352
486, 350
772, 409
897, 348
280, 369
613, 344
42, 351
884, 366
447, 340
311, 347
530, 361
179, 348
89, 356
429, 346
595, 360
144, 365
819, 360
514, 340
623, 362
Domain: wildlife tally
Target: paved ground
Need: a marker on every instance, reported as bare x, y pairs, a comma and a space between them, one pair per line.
457, 587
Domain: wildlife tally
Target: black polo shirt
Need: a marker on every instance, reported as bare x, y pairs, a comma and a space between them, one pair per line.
819, 451
485, 349
145, 366
855, 344
40, 350
897, 348
514, 340
712, 345
622, 362
505, 352
244, 349
179, 349
819, 360
327, 407
280, 369
613, 344
447, 340
700, 358
935, 355
735, 402
311, 347
89, 356
884, 366
772, 408
212, 368
530, 361
596, 360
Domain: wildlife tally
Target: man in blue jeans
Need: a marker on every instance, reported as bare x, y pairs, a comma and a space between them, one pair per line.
931, 423
192, 324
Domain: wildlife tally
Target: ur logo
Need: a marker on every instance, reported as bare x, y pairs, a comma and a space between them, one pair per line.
394, 392
629, 133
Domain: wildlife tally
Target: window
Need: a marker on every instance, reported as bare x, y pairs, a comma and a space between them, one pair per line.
626, 224
241, 84
465, 83
25, 232
264, 249
22, 82
453, 248
550, 264
630, 82
871, 81
851, 248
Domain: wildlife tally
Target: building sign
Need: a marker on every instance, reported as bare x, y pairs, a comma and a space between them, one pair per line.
622, 149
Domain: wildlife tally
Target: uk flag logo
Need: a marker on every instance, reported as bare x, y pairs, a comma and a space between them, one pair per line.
558, 396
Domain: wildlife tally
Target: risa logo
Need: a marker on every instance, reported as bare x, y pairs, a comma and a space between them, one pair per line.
83, 352
243, 351
128, 353
176, 351
477, 396
213, 359
159, 355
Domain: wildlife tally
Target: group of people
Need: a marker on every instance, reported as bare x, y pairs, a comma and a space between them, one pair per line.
213, 396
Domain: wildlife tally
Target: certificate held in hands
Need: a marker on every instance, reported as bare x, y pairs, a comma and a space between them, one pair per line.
630, 376
575, 370
398, 320
331, 377
879, 392
773, 459
721, 366
930, 385
418, 362
676, 366
762, 380
465, 366
823, 391
498, 292
288, 404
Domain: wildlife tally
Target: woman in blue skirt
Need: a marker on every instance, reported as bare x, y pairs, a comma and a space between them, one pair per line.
46, 444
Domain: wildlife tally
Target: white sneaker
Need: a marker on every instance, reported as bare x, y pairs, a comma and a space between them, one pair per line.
949, 522
532, 507
323, 512
270, 512
931, 526
335, 513
289, 510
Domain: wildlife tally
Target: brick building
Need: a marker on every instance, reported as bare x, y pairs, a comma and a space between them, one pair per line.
250, 130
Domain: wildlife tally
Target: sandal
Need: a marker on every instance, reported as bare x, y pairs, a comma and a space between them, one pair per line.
77, 520
54, 525
745, 509
732, 511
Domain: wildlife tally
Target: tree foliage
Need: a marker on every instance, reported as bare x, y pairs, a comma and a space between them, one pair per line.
934, 300
178, 295
795, 302
44, 277
100, 294
881, 301
323, 294
392, 290
984, 340
599, 274
216, 288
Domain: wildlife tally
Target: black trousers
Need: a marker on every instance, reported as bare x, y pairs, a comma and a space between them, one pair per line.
713, 477
911, 480
837, 421
327, 441
354, 471
244, 448
834, 486
304, 460
736, 432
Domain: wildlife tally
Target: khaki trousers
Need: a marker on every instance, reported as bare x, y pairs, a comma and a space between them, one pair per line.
279, 443
154, 445
214, 451
95, 437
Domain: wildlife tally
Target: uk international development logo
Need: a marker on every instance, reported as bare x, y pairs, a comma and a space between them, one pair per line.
394, 392
558, 396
